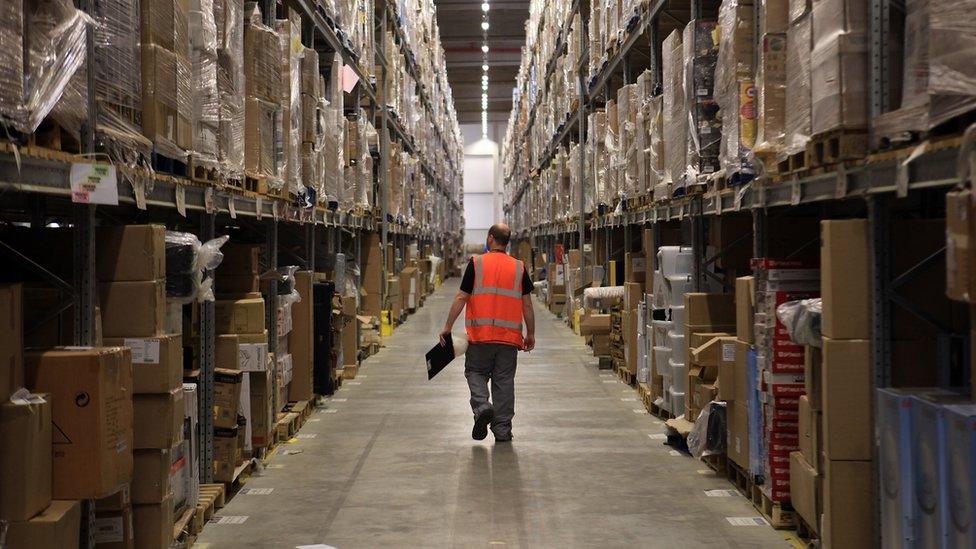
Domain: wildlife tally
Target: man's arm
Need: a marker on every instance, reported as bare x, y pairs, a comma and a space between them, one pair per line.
528, 314
460, 300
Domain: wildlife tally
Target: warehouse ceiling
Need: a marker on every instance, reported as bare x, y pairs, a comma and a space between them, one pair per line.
462, 37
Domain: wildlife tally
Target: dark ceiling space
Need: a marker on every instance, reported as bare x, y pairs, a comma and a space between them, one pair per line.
461, 35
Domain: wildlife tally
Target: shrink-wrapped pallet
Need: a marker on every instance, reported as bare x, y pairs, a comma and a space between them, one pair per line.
771, 96
700, 54
205, 117
798, 125
290, 59
229, 22
734, 87
675, 117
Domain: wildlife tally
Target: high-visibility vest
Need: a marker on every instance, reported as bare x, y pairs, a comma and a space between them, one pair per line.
494, 310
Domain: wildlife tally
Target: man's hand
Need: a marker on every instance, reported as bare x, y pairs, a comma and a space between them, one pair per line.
446, 332
528, 342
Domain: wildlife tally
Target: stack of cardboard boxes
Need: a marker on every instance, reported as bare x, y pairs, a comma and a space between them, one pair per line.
131, 274
709, 322
262, 95
167, 99
734, 387
556, 277
635, 272
780, 366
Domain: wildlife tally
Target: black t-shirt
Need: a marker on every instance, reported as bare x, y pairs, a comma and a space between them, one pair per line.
467, 281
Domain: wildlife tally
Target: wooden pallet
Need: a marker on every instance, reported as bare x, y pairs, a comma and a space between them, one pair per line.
349, 371
839, 145
53, 136
186, 525
287, 425
780, 516
717, 463
807, 535
166, 165
742, 480
626, 375
203, 172
605, 363
211, 499
793, 162
301, 407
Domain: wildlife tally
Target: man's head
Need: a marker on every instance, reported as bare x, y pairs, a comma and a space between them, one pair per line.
498, 236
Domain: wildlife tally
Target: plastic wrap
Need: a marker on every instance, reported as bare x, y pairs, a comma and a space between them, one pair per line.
205, 116
839, 82
13, 108
708, 436
674, 115
802, 320
700, 55
771, 94
186, 260
291, 52
798, 123
591, 296
229, 22
734, 86
287, 292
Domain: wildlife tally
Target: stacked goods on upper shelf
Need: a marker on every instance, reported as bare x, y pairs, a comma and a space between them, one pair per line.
674, 115
206, 99
735, 91
262, 100
167, 94
290, 54
229, 23
938, 80
771, 75
353, 21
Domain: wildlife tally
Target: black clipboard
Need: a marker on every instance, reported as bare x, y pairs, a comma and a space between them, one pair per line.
439, 357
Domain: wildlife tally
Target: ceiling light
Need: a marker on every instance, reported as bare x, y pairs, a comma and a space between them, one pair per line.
484, 86
484, 67
484, 49
484, 25
485, 6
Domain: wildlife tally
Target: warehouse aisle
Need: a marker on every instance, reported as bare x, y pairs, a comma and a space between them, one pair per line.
389, 462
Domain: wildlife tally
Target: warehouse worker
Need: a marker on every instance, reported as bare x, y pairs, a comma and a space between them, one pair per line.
495, 291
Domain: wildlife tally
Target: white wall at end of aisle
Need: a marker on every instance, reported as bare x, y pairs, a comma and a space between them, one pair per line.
482, 180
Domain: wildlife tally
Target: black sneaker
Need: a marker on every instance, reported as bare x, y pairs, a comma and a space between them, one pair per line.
481, 421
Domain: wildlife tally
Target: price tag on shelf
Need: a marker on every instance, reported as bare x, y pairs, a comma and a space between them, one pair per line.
901, 180
208, 201
737, 198
259, 207
718, 204
181, 200
231, 207
94, 184
139, 191
274, 209
840, 189
796, 193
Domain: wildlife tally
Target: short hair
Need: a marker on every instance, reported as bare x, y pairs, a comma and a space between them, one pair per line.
500, 233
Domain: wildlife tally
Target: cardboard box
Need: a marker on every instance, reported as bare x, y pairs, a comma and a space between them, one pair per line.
350, 343
237, 284
595, 324
629, 320
158, 419
57, 527
227, 454
774, 16
847, 410
300, 343
130, 252
742, 388
959, 246
813, 376
164, 23
601, 344
839, 79
848, 504
845, 279
239, 316
239, 259
133, 309
709, 309
959, 426
805, 490
151, 477
745, 309
726, 381
737, 444
153, 524
810, 430
262, 414
25, 462
635, 268
92, 434
227, 397
11, 340
114, 529
157, 362
165, 80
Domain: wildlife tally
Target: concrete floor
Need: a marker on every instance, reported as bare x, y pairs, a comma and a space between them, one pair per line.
389, 462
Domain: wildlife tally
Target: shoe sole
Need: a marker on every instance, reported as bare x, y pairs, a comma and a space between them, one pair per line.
480, 430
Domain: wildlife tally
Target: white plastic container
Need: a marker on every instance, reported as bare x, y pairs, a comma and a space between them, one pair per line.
676, 342
675, 260
661, 291
677, 399
680, 285
661, 357
661, 328
678, 318
679, 376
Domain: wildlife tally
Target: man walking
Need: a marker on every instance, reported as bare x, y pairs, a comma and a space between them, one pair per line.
495, 291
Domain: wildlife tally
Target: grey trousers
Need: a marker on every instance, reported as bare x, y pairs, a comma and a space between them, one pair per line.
495, 362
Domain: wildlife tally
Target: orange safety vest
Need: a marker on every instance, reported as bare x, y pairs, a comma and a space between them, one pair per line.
494, 310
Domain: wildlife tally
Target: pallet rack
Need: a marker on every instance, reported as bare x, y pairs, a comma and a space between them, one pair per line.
920, 173
35, 186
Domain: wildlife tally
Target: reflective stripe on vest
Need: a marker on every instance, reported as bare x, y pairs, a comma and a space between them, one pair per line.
493, 322
479, 287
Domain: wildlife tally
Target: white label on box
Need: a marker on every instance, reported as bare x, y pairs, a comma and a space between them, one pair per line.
94, 184
181, 200
253, 357
746, 521
144, 351
728, 352
109, 530
230, 519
